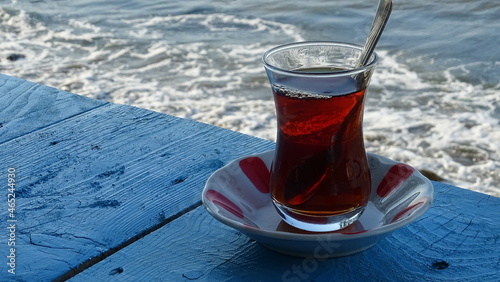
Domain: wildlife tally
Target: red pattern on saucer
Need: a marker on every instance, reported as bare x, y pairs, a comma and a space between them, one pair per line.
256, 170
222, 201
393, 178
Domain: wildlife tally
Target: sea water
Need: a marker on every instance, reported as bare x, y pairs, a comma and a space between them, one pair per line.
433, 102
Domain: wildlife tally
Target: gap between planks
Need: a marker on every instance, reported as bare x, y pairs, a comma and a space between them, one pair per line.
56, 122
104, 255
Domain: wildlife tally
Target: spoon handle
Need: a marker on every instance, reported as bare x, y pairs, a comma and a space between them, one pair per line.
383, 12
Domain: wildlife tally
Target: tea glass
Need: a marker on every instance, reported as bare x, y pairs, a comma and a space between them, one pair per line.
320, 180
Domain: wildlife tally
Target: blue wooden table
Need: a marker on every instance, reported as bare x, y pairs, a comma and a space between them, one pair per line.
94, 191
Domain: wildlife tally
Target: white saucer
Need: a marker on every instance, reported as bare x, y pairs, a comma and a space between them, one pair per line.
238, 196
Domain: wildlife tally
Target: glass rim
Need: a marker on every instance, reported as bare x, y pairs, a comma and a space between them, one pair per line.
373, 59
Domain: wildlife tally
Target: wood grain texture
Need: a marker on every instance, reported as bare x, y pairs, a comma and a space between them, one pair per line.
27, 106
90, 181
456, 240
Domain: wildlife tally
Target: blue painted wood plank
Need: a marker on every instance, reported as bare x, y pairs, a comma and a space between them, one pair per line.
91, 181
456, 240
26, 106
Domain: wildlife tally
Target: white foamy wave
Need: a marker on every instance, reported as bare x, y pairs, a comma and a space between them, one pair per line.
212, 23
448, 127
141, 65
389, 73
141, 52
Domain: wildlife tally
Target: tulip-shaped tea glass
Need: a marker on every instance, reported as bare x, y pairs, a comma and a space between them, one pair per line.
320, 179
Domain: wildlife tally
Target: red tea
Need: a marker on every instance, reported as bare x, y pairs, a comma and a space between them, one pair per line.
320, 165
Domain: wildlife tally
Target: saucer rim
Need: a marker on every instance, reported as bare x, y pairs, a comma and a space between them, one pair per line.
331, 236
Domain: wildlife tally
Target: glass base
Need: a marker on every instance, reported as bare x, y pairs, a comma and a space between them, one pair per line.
318, 223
